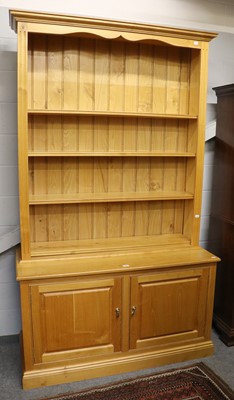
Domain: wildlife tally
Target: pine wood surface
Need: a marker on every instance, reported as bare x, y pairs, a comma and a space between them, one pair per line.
89, 314
64, 23
107, 245
104, 97
99, 261
22, 59
111, 143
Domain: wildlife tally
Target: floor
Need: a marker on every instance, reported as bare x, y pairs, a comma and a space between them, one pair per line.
222, 363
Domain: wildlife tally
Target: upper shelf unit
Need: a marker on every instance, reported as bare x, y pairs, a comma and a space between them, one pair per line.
111, 132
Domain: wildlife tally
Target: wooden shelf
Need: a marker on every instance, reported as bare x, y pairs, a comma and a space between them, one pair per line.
109, 245
107, 197
111, 154
119, 114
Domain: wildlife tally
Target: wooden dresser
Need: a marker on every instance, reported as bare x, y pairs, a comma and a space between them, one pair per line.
111, 119
222, 218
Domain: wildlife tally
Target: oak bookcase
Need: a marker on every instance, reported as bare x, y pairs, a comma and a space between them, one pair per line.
111, 119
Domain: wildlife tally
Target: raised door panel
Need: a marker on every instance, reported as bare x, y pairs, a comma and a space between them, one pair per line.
168, 307
76, 318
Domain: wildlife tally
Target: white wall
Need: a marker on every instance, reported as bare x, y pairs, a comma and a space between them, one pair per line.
8, 127
200, 14
9, 215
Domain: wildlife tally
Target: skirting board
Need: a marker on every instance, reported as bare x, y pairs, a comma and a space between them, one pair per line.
60, 375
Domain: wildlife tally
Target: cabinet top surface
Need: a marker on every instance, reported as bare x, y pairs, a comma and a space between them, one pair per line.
41, 267
69, 20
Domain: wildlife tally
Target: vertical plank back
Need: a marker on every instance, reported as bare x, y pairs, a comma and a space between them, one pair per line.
96, 74
87, 74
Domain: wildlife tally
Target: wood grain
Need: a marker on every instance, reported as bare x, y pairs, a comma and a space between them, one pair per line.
111, 141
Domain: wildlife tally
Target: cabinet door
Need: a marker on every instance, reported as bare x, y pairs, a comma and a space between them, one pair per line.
168, 307
76, 319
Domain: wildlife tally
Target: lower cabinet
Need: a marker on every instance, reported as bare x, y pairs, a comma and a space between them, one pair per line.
90, 326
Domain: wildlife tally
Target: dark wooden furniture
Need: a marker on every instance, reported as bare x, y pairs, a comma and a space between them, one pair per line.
222, 219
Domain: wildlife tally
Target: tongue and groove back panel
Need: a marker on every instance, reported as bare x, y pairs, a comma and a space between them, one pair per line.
108, 75
112, 138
